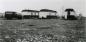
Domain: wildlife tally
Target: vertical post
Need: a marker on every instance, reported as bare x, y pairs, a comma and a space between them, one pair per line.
68, 13
55, 14
62, 12
38, 15
31, 15
35, 13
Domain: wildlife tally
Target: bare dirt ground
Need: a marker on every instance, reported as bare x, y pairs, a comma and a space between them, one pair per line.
73, 30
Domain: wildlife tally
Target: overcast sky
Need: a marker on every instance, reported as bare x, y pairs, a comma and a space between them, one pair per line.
58, 5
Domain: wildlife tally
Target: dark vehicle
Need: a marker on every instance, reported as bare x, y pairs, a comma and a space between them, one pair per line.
12, 15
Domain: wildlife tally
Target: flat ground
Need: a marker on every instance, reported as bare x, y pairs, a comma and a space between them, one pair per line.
67, 28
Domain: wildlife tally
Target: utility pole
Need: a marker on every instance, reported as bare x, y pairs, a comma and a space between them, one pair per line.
62, 11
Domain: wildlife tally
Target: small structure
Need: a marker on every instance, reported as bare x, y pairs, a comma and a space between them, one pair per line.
70, 14
47, 14
30, 14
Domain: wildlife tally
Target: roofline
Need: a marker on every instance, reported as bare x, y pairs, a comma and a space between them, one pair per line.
10, 11
30, 11
47, 10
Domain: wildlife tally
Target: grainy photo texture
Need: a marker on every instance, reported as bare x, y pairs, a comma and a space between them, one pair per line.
42, 21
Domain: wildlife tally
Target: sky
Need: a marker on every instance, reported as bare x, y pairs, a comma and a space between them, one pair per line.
57, 5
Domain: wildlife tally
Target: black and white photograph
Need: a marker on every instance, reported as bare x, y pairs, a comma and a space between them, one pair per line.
42, 21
